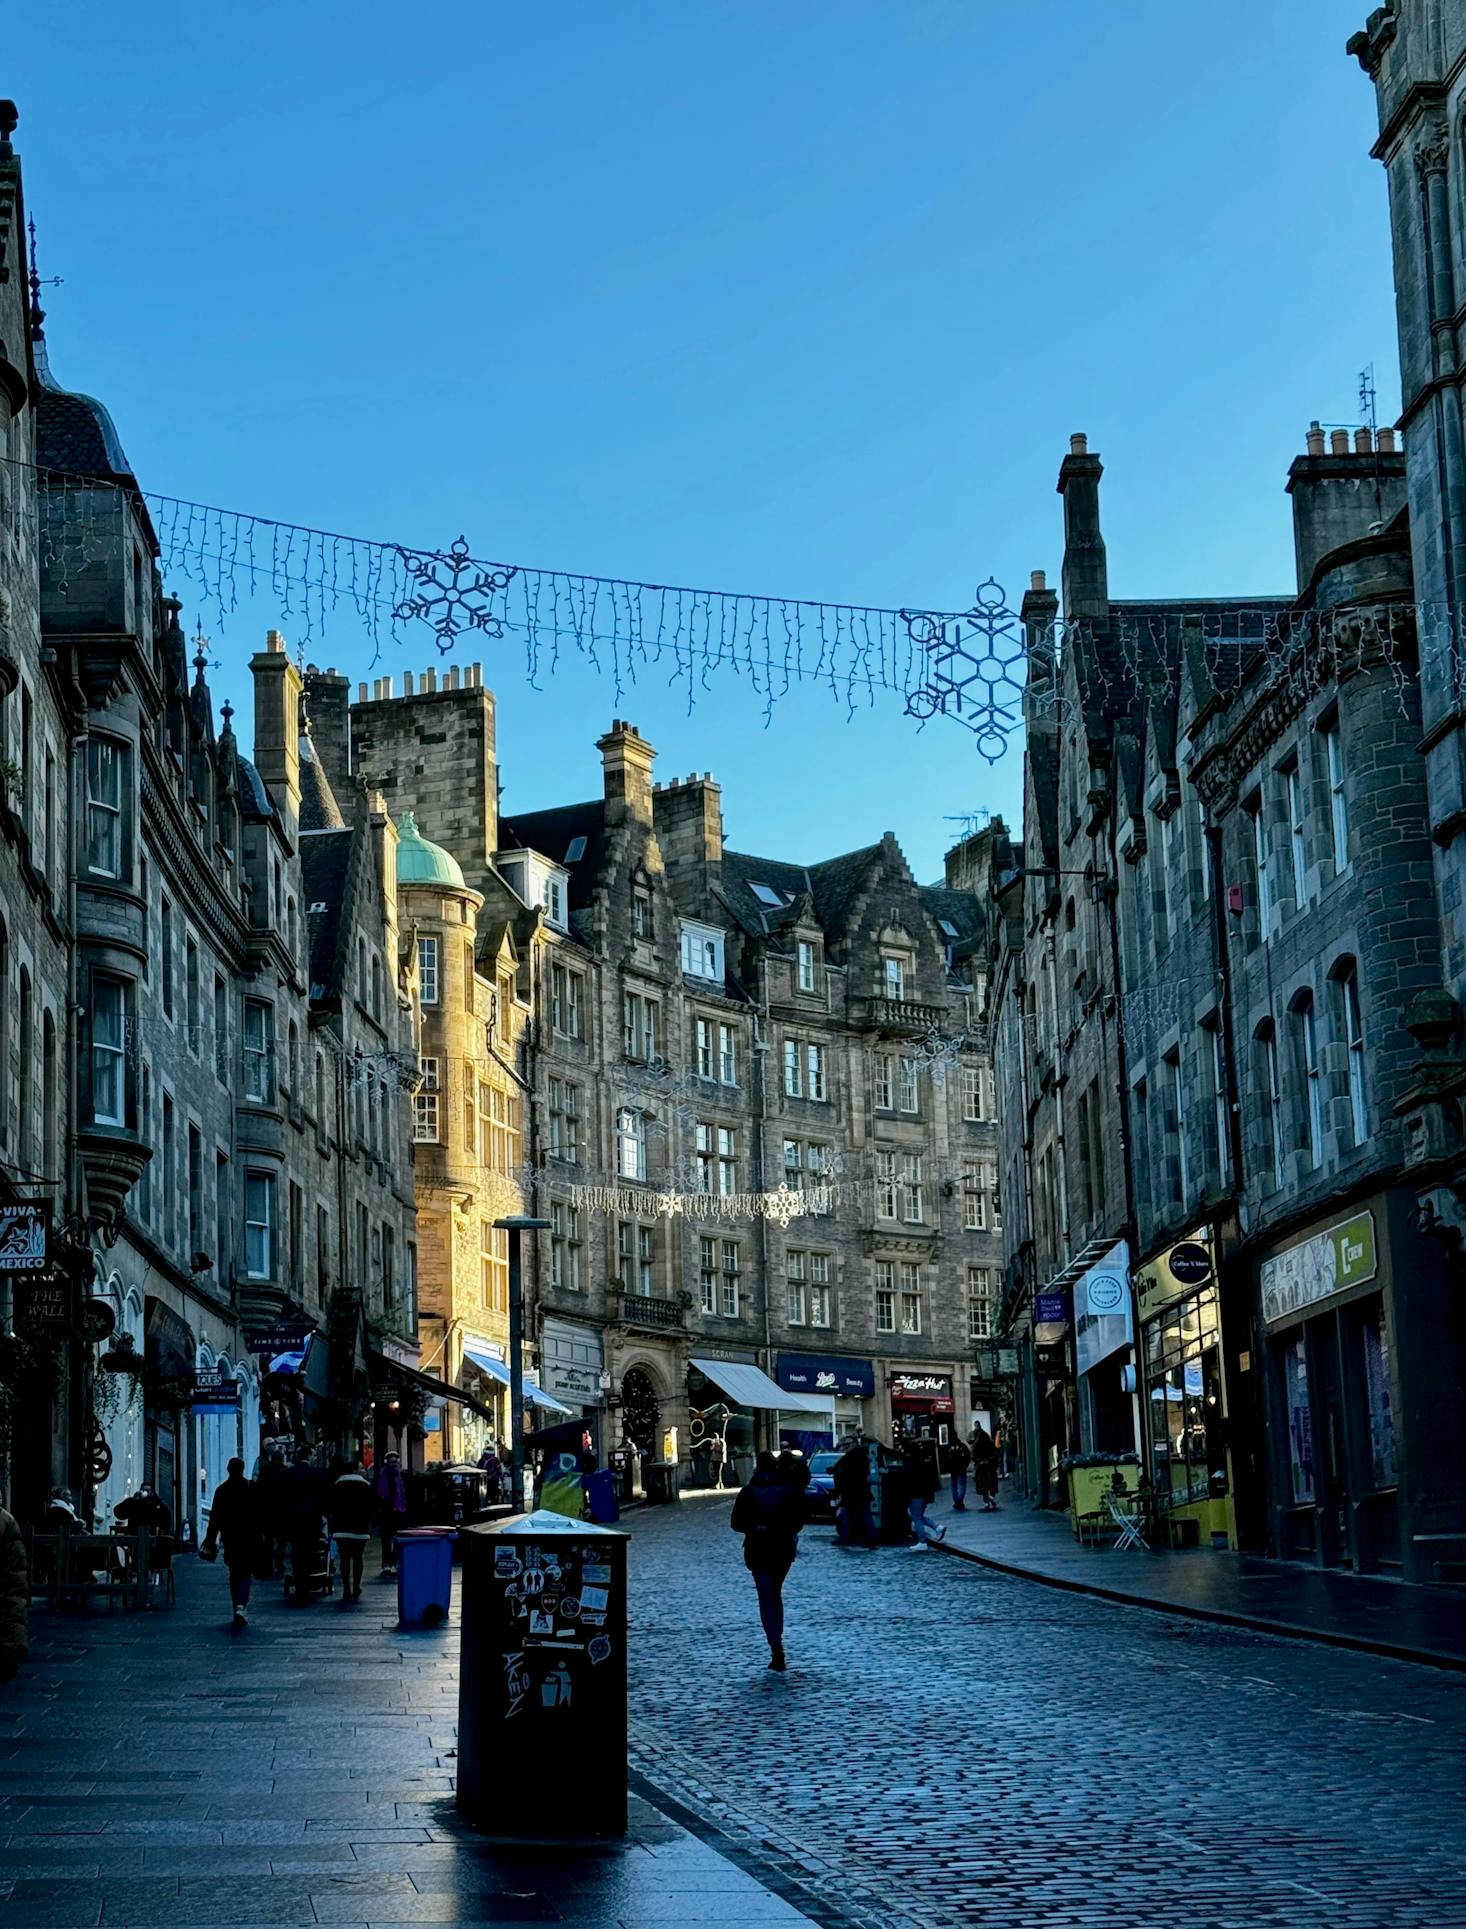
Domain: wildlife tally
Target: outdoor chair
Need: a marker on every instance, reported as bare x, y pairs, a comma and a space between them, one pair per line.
1125, 1514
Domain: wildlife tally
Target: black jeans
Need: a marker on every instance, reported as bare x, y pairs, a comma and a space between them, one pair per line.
352, 1548
770, 1584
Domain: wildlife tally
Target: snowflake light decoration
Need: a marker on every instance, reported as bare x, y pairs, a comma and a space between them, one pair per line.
454, 593
977, 665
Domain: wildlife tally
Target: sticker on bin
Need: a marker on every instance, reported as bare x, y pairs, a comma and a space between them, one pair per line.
596, 1572
594, 1597
570, 1606
506, 1563
600, 1648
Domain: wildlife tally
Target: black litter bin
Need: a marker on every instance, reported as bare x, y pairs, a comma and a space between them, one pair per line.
661, 1481
897, 1489
542, 1679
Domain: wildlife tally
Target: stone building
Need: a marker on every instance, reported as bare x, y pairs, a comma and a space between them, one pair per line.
40, 717
1265, 848
194, 1069
686, 1030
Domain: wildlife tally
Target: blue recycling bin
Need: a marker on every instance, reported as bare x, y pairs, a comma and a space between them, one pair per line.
424, 1576
600, 1493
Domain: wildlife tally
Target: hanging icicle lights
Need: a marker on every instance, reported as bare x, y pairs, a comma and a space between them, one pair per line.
976, 667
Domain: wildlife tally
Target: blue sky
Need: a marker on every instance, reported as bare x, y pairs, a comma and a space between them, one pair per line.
796, 296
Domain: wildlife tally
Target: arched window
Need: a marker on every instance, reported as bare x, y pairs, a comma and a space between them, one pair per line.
50, 1100
321, 1090
1308, 1071
377, 989
25, 1082
369, 1129
293, 1060
361, 969
1268, 1086
630, 1144
1348, 1028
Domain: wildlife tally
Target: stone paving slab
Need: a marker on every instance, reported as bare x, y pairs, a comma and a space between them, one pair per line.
1374, 1614
163, 1771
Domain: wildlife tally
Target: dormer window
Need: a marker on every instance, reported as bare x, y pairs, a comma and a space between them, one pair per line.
767, 895
575, 851
641, 914
702, 951
553, 898
806, 963
894, 975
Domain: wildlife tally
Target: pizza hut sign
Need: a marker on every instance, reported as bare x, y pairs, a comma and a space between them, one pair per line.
921, 1386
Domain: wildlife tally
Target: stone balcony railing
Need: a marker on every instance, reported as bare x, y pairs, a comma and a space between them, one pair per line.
897, 1017
656, 1315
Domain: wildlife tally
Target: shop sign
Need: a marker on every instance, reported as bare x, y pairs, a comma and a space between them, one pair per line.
1315, 1269
1102, 1303
1051, 1309
994, 1362
572, 1364
1183, 1269
95, 1321
285, 1336
921, 1386
215, 1391
48, 1299
820, 1373
23, 1237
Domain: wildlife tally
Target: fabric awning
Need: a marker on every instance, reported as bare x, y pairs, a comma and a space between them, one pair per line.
750, 1386
498, 1370
425, 1383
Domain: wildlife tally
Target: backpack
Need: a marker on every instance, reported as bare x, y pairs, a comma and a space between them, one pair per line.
766, 1514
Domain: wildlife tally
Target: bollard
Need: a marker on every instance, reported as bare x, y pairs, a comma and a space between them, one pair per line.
542, 1679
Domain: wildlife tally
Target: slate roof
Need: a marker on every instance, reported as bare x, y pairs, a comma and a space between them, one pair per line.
551, 833
254, 797
325, 865
959, 908
740, 871
319, 810
838, 882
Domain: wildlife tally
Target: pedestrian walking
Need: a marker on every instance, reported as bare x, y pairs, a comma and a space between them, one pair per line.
854, 1513
717, 1458
769, 1513
958, 1460
985, 1467
351, 1505
273, 1483
303, 1497
923, 1475
14, 1597
234, 1519
795, 1469
390, 1492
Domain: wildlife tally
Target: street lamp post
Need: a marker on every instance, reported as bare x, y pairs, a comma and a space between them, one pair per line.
516, 1226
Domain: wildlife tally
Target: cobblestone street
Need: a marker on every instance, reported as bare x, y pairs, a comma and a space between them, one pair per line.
956, 1746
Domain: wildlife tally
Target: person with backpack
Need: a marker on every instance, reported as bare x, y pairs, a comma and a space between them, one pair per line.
768, 1513
234, 1518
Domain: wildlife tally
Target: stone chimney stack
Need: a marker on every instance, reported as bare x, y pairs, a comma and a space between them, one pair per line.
626, 759
1342, 493
328, 705
277, 726
1039, 611
688, 814
384, 853
1086, 578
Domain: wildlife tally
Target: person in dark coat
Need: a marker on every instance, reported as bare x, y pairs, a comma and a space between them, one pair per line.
303, 1491
234, 1518
14, 1597
956, 1461
274, 1500
851, 1475
390, 1492
769, 1513
351, 1505
923, 1493
985, 1467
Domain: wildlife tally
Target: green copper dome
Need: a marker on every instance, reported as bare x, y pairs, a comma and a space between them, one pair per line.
419, 862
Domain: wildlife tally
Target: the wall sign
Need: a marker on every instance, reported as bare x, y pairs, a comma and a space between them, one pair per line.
1302, 1276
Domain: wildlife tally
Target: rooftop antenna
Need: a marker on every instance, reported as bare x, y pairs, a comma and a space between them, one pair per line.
1367, 398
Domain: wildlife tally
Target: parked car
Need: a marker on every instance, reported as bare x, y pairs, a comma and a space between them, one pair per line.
819, 1495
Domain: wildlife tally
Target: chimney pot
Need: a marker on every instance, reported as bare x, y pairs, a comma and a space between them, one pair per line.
274, 640
1363, 442
407, 683
361, 693
1038, 580
1385, 442
1314, 440
430, 681
1079, 445
1338, 442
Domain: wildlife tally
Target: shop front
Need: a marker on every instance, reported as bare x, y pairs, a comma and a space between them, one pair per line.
923, 1406
572, 1371
1329, 1312
736, 1401
848, 1383
1182, 1383
169, 1352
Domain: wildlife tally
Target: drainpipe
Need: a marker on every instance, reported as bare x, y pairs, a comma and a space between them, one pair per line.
760, 1113
76, 1444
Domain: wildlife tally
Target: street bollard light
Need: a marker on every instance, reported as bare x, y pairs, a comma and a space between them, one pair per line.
517, 1225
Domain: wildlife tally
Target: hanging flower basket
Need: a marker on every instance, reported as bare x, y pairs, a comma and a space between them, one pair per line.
123, 1357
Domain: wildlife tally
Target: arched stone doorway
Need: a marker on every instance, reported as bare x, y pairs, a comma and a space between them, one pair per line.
641, 1411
